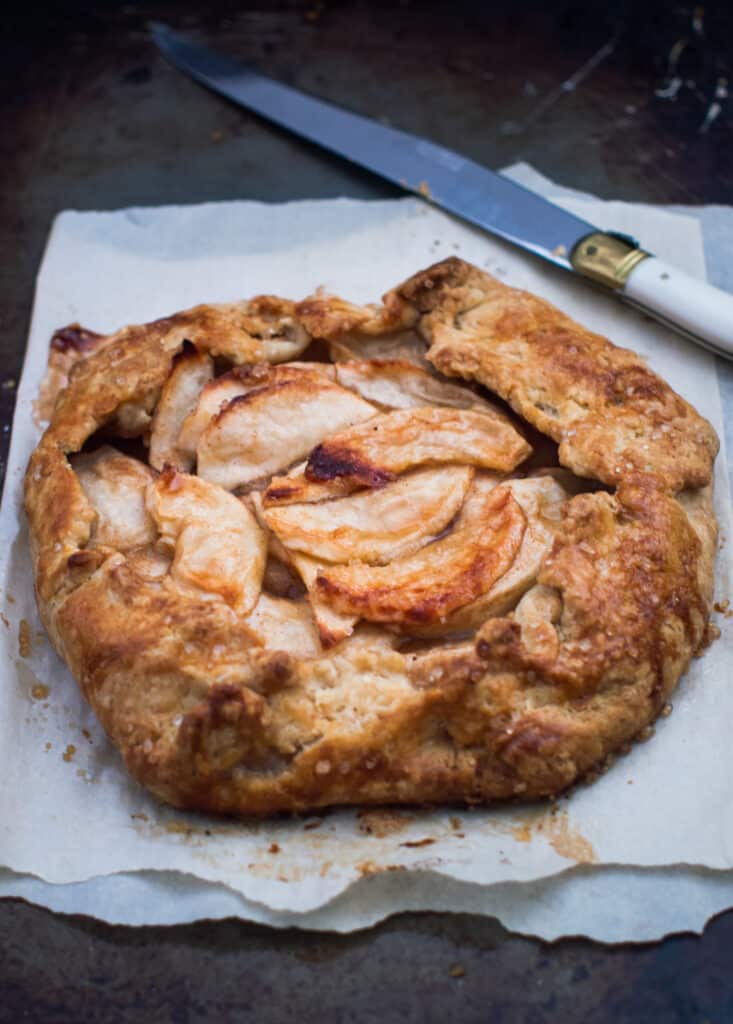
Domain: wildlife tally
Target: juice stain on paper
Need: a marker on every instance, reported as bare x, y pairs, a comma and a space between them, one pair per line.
556, 829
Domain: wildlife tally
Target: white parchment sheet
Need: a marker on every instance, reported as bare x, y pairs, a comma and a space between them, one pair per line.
642, 852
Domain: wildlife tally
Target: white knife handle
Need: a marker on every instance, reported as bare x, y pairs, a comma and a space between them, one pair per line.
700, 310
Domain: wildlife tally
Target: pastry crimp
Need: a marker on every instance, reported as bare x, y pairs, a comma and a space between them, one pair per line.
453, 547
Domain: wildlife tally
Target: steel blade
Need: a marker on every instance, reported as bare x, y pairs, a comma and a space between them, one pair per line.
441, 176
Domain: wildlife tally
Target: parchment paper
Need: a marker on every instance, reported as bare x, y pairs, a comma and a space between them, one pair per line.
71, 817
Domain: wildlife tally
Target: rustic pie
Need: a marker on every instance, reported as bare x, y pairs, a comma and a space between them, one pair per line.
453, 547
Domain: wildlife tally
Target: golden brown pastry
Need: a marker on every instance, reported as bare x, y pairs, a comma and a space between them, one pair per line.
283, 587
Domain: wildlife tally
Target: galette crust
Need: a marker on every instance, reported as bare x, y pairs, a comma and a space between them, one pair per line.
246, 660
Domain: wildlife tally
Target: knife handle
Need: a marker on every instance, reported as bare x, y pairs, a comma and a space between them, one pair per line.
698, 310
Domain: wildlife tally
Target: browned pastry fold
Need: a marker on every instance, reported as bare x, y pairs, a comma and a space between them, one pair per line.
611, 415
343, 582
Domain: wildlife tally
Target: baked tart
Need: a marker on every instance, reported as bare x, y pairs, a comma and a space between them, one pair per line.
453, 547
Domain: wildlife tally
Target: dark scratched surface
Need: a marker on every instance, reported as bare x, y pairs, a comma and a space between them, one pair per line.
624, 100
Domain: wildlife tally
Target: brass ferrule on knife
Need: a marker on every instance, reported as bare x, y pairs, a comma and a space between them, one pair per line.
607, 258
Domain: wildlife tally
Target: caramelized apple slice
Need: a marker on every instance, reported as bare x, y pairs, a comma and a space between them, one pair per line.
218, 546
190, 372
374, 526
442, 576
239, 381
268, 429
295, 488
399, 384
541, 499
115, 485
333, 626
371, 454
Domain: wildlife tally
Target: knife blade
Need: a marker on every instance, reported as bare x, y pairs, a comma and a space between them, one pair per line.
697, 310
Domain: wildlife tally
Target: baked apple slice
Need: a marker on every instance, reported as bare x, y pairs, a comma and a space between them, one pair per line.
239, 381
216, 542
541, 499
373, 453
399, 384
442, 576
374, 526
189, 374
270, 428
115, 486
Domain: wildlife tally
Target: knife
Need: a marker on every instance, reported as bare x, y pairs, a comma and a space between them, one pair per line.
699, 311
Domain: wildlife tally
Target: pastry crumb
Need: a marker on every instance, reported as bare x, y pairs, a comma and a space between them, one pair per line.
383, 823
711, 634
178, 828
24, 639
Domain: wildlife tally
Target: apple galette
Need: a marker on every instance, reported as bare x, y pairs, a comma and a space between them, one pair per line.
453, 547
